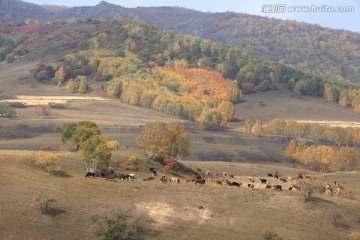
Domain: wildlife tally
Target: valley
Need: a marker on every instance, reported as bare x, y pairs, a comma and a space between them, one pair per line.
113, 128
198, 212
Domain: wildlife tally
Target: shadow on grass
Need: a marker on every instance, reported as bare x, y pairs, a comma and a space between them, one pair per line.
341, 225
55, 212
148, 232
63, 174
318, 200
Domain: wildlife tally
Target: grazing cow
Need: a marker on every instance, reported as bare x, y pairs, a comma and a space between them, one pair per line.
227, 183
127, 177
277, 187
200, 181
173, 179
283, 180
218, 182
110, 177
150, 178
328, 192
236, 184
163, 179
268, 186
337, 191
250, 185
90, 174
154, 173
231, 176
270, 175
263, 180
152, 169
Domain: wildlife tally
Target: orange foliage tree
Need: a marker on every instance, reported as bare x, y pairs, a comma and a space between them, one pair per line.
165, 140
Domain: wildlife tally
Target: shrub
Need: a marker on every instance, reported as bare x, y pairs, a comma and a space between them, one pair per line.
56, 105
120, 226
49, 161
132, 163
10, 59
44, 203
6, 110
17, 105
271, 236
113, 144
171, 164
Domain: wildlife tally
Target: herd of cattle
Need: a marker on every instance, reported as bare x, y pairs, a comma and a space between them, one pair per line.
270, 181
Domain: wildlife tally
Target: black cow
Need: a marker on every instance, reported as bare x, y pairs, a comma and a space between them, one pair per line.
277, 187
270, 175
231, 176
283, 180
154, 173
235, 184
263, 180
90, 174
152, 169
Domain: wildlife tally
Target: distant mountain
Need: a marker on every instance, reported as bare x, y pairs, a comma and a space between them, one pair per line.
18, 11
332, 54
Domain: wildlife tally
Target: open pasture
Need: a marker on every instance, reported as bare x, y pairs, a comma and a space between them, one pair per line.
193, 211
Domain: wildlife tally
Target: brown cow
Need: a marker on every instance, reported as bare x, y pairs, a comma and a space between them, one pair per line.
200, 181
227, 183
250, 185
110, 177
219, 182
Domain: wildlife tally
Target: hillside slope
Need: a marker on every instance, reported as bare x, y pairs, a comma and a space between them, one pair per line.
332, 54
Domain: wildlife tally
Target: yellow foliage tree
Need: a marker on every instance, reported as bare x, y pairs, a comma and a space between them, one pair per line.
165, 140
49, 161
291, 148
345, 159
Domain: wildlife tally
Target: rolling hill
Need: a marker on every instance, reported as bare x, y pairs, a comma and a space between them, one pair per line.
330, 54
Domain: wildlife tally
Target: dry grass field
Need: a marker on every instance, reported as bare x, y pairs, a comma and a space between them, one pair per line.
167, 211
176, 211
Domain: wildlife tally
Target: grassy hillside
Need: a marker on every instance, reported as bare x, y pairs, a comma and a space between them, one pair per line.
190, 211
